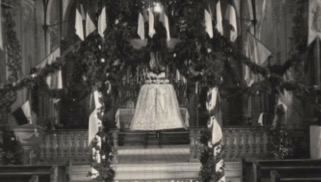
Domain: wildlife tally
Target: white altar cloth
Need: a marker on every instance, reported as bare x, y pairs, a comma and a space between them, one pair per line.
156, 109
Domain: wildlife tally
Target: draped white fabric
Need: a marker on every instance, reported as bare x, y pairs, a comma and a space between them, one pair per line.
157, 108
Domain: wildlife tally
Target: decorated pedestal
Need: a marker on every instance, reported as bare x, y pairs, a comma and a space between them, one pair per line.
315, 142
29, 136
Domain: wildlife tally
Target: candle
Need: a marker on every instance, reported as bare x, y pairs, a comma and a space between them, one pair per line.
196, 87
177, 75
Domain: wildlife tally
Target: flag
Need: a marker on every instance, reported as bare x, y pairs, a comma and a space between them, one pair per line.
59, 79
79, 25
23, 114
314, 28
90, 26
151, 29
1, 38
257, 53
212, 98
217, 133
231, 17
219, 19
94, 121
260, 120
102, 22
214, 124
208, 23
141, 26
164, 20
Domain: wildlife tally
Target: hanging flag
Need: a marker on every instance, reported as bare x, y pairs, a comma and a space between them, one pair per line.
208, 23
1, 38
23, 114
94, 125
217, 133
79, 25
151, 29
219, 19
231, 17
257, 51
248, 76
164, 20
214, 122
260, 120
141, 26
314, 29
102, 22
59, 79
90, 26
94, 121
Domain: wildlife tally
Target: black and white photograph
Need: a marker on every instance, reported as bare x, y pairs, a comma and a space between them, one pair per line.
160, 90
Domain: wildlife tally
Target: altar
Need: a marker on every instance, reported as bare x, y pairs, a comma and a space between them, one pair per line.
124, 117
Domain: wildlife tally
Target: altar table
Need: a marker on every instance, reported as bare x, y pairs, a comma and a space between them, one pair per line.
124, 117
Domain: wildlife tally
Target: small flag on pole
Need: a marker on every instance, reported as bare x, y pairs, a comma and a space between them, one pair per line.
79, 25
141, 26
90, 26
151, 29
219, 19
102, 22
231, 17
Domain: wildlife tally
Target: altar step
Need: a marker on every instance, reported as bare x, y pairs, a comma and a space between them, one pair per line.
157, 172
171, 137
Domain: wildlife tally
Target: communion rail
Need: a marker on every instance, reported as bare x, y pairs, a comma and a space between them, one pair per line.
238, 142
62, 146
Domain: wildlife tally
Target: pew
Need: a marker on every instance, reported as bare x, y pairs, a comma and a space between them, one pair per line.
294, 177
256, 170
17, 173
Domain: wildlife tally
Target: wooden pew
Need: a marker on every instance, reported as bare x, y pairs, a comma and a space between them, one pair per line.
256, 170
19, 173
294, 177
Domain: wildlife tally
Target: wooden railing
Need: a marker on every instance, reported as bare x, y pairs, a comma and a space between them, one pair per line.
63, 146
238, 142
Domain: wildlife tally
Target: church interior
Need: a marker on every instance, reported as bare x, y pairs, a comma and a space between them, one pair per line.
160, 90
